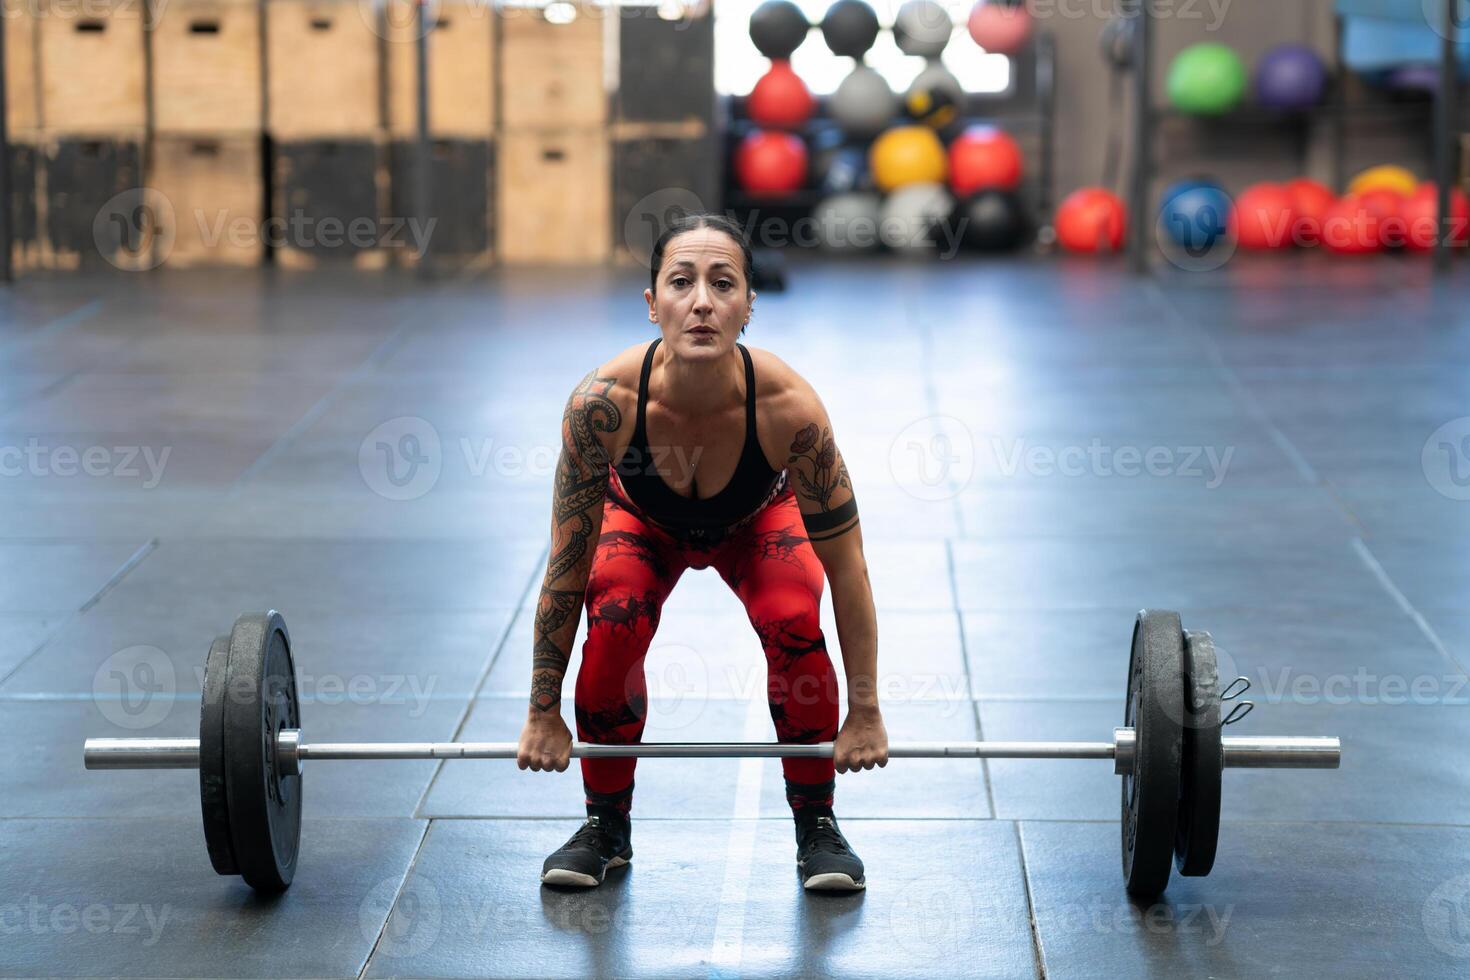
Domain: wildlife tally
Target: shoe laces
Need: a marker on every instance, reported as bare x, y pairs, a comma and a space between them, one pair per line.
822, 835
592, 832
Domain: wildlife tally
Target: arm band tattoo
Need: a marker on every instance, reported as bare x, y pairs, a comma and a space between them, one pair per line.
831, 523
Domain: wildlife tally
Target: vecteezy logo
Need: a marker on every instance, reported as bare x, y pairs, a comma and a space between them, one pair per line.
398, 21
1446, 916
651, 215
1446, 459
1459, 12
402, 923
401, 459
933, 458
934, 917
135, 229
1198, 243
134, 688
675, 685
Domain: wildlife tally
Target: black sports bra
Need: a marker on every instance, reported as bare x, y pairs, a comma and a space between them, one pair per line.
638, 469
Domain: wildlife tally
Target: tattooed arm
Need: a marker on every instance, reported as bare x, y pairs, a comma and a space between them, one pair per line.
587, 426
824, 493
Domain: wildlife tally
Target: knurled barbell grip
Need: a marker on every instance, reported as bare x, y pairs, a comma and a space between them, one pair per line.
1261, 752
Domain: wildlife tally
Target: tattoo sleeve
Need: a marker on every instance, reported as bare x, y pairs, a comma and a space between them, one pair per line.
576, 518
821, 476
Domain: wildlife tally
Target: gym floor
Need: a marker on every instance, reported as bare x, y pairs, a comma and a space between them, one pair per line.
1039, 449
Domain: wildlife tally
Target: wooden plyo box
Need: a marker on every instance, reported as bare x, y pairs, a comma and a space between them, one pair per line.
216, 199
206, 67
461, 69
553, 200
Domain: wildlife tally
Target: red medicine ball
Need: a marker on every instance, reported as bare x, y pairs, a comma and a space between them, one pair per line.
983, 158
780, 100
1091, 220
1386, 206
1262, 217
1000, 28
1350, 228
1310, 202
1421, 217
770, 163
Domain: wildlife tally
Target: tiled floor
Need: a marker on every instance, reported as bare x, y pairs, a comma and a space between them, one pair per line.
1278, 450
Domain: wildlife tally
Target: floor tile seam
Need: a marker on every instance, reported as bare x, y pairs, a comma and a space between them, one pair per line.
132, 562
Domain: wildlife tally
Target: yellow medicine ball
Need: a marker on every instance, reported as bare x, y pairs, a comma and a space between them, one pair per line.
1388, 176
907, 155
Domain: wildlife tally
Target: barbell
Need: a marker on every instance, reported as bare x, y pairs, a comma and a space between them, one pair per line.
1170, 752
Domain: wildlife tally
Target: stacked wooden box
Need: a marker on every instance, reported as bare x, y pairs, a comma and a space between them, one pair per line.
664, 153
324, 121
23, 118
90, 114
461, 90
206, 160
222, 131
553, 189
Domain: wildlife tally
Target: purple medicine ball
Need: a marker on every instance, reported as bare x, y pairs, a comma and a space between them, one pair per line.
1291, 76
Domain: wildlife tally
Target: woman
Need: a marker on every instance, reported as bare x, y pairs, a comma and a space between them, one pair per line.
688, 452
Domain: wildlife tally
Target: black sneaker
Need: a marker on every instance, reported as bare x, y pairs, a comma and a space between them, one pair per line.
602, 842
824, 857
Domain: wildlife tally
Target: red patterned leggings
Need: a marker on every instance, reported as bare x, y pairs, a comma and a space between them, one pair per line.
769, 563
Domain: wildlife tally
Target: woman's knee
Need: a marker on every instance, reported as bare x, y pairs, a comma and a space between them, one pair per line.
794, 605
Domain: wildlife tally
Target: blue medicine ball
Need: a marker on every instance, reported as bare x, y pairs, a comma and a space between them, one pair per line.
1195, 213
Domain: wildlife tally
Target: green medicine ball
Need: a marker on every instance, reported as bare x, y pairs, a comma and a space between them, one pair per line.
1207, 79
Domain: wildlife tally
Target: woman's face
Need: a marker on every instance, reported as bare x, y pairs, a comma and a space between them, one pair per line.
703, 299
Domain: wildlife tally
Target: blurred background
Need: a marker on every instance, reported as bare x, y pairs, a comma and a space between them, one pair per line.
212, 132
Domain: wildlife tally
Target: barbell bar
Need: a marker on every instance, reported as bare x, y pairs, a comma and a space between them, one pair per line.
1241, 752
1170, 752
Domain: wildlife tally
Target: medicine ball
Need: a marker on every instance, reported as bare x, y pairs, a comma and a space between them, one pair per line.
863, 104
1290, 76
1351, 229
935, 98
777, 28
1195, 214
910, 216
923, 28
1001, 28
1421, 217
780, 100
1388, 175
848, 223
984, 157
771, 163
1310, 202
1262, 217
1206, 79
1386, 206
1091, 219
850, 27
907, 155
991, 221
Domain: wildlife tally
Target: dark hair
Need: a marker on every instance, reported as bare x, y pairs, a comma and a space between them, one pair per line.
692, 221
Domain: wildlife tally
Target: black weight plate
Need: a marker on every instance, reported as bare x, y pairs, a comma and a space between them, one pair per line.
213, 800
1155, 709
1204, 759
265, 802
